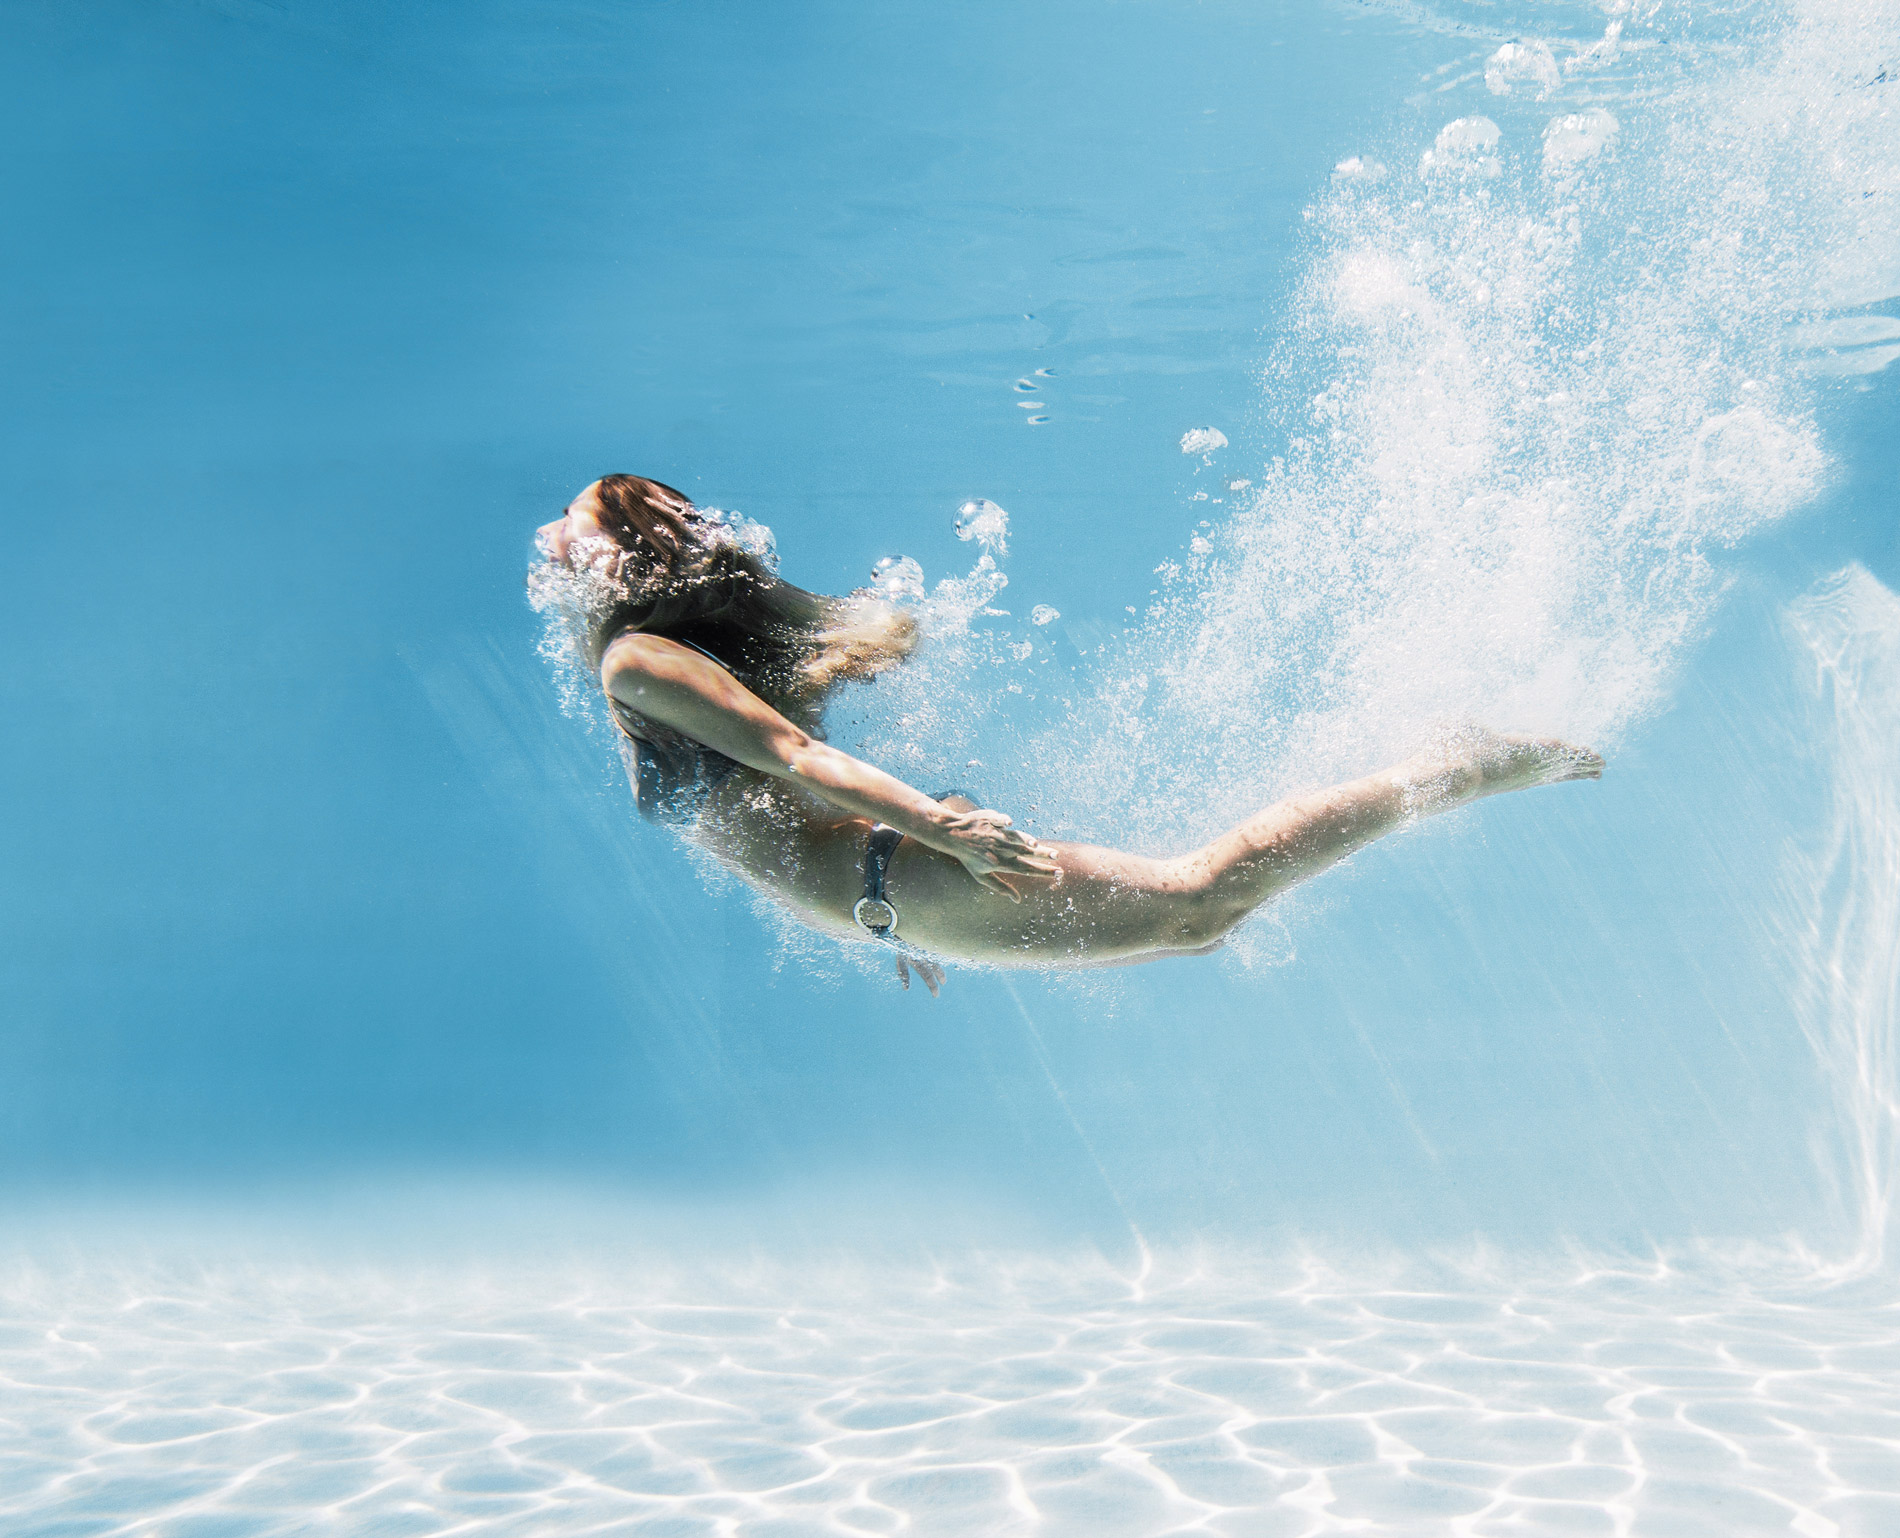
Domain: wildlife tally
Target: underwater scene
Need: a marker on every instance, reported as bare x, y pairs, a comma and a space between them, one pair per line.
401, 1134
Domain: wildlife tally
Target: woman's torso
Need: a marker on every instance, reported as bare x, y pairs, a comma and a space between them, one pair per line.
808, 854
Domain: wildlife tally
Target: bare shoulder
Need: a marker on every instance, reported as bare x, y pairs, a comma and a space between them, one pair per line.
677, 686
634, 660
634, 651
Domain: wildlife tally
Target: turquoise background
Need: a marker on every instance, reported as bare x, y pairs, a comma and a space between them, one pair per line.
313, 313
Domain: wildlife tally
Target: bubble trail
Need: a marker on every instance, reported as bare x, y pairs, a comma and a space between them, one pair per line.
1532, 389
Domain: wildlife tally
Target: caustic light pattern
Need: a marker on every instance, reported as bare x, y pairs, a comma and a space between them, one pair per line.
1616, 1401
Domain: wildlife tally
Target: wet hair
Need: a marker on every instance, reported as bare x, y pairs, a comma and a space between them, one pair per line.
673, 571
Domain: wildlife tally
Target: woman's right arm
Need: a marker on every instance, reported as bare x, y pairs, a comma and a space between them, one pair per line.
677, 687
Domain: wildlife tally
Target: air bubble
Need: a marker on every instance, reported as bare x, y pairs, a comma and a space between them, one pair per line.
1464, 144
1576, 137
983, 521
1518, 64
1358, 169
1043, 614
756, 539
899, 579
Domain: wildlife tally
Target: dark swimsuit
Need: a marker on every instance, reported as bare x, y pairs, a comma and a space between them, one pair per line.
673, 776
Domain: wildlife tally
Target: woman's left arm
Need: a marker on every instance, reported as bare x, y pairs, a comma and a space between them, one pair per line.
677, 687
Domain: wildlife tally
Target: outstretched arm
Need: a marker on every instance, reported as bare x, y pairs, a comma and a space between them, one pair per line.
675, 686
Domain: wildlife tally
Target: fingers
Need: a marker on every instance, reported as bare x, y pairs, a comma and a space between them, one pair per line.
1022, 851
1032, 866
1003, 835
1017, 839
929, 971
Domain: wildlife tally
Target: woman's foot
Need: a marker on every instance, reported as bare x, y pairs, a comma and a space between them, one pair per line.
1475, 761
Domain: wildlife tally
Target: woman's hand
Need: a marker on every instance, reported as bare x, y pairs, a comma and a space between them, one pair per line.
995, 854
928, 970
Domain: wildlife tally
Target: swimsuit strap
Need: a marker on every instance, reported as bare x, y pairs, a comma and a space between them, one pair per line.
875, 913
682, 641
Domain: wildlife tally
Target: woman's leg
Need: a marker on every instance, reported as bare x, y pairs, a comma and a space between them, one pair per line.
1111, 906
1304, 835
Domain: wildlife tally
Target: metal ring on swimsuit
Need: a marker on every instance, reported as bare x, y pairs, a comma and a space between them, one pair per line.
878, 849
883, 930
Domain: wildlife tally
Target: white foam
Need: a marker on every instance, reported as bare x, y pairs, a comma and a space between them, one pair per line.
1846, 331
1520, 420
1356, 167
1845, 344
1575, 137
1466, 145
1202, 440
1526, 63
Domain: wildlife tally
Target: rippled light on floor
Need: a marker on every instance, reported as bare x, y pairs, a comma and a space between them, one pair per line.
290, 1401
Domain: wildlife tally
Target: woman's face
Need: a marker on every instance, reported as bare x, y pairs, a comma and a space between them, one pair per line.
580, 521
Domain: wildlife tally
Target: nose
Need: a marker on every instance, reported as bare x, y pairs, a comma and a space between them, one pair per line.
551, 538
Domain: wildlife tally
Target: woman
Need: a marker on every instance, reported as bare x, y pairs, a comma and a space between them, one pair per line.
717, 674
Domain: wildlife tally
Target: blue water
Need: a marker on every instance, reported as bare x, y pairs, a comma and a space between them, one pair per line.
397, 1137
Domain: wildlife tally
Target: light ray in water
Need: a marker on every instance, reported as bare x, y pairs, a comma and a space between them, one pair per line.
1844, 912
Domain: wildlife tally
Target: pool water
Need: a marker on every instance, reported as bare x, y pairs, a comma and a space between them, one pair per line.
397, 1137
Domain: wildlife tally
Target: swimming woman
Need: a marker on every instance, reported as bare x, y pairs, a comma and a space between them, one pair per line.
717, 674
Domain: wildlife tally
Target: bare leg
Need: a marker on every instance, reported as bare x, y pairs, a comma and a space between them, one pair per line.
1111, 906
1304, 835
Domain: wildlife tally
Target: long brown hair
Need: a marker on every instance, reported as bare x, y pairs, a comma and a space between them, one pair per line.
674, 571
